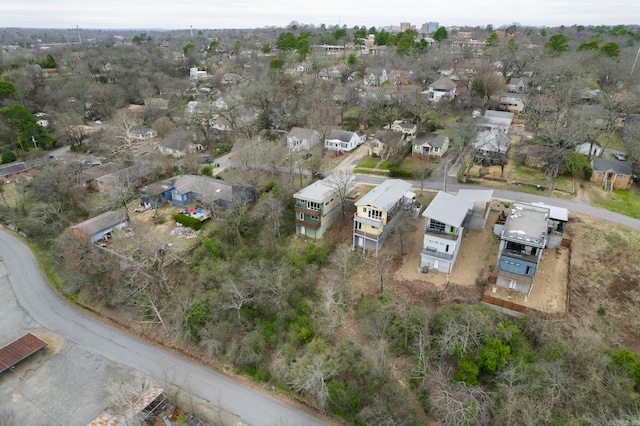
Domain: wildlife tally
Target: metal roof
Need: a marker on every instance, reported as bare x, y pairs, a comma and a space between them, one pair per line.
101, 222
385, 195
448, 209
317, 191
555, 213
19, 349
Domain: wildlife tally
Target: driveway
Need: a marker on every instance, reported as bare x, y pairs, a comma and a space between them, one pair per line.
51, 312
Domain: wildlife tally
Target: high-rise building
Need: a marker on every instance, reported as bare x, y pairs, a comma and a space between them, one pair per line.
432, 27
404, 26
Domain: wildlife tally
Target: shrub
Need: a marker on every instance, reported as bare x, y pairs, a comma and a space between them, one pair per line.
188, 221
9, 157
588, 172
395, 171
206, 171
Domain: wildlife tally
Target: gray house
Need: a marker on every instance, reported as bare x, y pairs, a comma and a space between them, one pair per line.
100, 227
522, 241
300, 139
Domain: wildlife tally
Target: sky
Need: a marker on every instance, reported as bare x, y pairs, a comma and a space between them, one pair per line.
214, 14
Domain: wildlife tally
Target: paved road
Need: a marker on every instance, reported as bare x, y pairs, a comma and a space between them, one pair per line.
51, 312
572, 206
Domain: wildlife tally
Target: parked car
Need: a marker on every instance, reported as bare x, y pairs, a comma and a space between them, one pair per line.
306, 156
619, 156
321, 175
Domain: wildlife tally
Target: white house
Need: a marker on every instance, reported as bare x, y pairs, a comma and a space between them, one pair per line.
343, 141
445, 216
375, 76
300, 139
441, 88
498, 120
194, 73
141, 133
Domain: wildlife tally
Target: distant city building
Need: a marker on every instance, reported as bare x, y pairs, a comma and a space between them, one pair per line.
404, 26
432, 27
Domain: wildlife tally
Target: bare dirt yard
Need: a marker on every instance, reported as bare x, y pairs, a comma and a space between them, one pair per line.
476, 261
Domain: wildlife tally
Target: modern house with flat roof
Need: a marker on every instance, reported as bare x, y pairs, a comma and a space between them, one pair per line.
377, 213
523, 239
316, 207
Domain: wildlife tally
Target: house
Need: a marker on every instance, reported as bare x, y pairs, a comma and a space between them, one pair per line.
428, 145
589, 149
375, 76
184, 189
481, 201
316, 207
131, 177
300, 139
495, 120
178, 145
611, 174
518, 85
446, 218
343, 141
522, 242
404, 127
377, 213
99, 228
512, 102
141, 133
385, 141
220, 123
441, 88
194, 73
492, 145
558, 218
329, 73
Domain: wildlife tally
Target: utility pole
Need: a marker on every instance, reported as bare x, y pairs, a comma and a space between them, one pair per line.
635, 62
191, 30
79, 39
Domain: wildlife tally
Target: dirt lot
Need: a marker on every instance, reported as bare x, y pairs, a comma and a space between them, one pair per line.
477, 260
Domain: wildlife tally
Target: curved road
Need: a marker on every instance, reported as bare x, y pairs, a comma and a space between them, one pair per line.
46, 308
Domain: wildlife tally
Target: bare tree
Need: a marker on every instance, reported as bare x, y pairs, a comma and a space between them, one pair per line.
311, 373
342, 183
462, 135
236, 295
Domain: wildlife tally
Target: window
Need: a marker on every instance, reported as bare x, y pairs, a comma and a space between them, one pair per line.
301, 216
436, 226
375, 214
358, 225
312, 205
314, 217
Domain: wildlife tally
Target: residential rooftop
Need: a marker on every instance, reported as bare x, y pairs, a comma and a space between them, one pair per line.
527, 224
385, 195
317, 191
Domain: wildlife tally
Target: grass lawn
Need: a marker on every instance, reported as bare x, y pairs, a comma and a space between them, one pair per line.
613, 141
623, 202
368, 162
521, 173
376, 172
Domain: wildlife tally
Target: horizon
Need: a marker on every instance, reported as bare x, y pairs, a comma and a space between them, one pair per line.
251, 14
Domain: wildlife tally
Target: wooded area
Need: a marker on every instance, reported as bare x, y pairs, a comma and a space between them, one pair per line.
314, 319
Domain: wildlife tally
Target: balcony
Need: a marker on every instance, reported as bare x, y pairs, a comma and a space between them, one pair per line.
315, 225
438, 254
441, 234
518, 255
308, 212
515, 277
367, 221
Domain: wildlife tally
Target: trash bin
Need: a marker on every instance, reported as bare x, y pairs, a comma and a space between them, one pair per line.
425, 269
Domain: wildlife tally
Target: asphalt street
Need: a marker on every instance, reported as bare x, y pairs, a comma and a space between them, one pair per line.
50, 311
